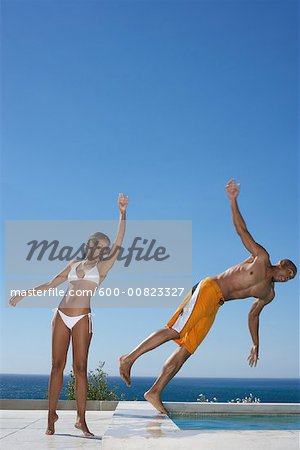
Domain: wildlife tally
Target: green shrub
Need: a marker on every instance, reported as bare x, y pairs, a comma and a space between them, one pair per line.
97, 386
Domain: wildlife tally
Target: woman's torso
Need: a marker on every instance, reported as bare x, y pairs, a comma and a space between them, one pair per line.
83, 283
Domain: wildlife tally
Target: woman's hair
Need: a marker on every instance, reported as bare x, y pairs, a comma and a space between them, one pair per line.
95, 237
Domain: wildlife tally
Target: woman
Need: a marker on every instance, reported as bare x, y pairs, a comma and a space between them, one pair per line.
72, 318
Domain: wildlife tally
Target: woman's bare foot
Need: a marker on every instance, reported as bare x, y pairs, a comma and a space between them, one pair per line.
124, 369
52, 418
155, 401
81, 425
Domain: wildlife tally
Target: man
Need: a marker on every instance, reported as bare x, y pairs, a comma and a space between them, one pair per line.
254, 277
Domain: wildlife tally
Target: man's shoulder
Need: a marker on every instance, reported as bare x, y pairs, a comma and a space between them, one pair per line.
270, 296
262, 253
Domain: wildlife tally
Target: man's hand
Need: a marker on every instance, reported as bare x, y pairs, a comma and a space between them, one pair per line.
253, 357
122, 202
232, 189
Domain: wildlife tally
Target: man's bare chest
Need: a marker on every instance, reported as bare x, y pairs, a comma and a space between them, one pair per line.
264, 290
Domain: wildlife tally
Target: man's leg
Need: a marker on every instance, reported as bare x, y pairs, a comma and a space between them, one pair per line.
192, 339
154, 340
170, 368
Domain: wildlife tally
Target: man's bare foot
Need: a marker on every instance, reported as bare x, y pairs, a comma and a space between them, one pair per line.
124, 369
81, 425
155, 401
52, 418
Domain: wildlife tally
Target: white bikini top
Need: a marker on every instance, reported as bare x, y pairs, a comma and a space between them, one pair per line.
90, 275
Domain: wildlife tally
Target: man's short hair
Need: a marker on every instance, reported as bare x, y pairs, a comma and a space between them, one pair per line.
291, 265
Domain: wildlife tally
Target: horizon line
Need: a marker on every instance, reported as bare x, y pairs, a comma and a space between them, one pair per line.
155, 376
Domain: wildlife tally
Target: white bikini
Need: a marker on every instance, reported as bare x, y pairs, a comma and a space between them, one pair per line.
91, 275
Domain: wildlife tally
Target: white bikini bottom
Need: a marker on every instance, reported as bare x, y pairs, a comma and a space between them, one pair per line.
70, 321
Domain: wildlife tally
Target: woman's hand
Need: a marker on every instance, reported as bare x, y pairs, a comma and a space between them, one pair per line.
253, 357
122, 202
232, 189
15, 299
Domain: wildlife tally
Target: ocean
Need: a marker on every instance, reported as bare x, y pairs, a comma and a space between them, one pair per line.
273, 390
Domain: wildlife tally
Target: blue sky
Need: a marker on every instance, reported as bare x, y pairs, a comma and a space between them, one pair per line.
164, 101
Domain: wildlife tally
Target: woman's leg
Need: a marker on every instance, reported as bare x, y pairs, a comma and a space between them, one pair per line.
60, 345
81, 338
154, 340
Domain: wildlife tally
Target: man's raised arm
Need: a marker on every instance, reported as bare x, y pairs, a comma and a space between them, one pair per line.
253, 247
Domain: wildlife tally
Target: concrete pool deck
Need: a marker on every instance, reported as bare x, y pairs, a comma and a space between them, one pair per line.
136, 425
25, 429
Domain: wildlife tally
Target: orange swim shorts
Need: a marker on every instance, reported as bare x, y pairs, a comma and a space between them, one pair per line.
196, 314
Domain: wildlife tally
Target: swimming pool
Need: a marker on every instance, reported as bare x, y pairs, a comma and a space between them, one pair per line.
236, 421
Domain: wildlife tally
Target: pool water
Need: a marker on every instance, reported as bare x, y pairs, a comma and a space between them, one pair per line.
236, 421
